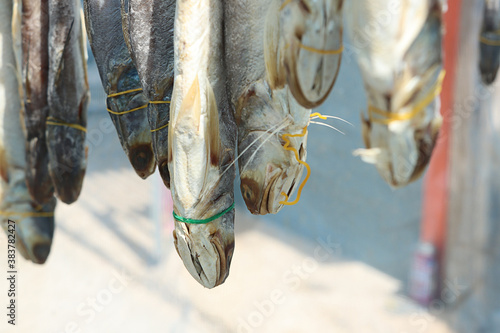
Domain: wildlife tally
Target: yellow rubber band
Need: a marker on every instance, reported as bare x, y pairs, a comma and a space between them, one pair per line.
287, 147
389, 117
56, 122
326, 52
128, 111
124, 92
285, 4
27, 214
159, 128
319, 115
487, 41
159, 102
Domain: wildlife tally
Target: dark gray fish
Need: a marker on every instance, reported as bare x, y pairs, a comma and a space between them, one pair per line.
489, 57
35, 66
68, 96
34, 224
120, 81
151, 31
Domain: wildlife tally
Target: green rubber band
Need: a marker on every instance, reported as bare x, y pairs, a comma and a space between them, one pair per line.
210, 219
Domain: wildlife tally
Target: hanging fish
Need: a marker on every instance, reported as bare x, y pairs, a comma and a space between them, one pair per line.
401, 66
68, 97
489, 57
268, 119
126, 103
34, 225
151, 32
35, 65
311, 47
201, 139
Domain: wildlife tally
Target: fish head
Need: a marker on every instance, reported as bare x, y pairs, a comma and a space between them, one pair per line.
33, 234
400, 150
206, 249
489, 56
267, 169
312, 48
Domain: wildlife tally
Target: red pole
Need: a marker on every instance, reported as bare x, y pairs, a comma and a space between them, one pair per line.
435, 201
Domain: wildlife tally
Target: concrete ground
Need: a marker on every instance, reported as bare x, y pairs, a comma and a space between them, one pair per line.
336, 262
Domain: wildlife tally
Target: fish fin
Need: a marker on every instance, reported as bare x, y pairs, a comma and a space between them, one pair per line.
191, 106
83, 47
365, 130
125, 28
212, 128
272, 55
369, 156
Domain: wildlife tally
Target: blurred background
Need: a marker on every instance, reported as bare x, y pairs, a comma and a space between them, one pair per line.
338, 261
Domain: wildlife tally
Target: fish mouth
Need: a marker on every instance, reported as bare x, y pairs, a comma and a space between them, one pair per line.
142, 159
489, 58
34, 238
164, 172
206, 250
265, 197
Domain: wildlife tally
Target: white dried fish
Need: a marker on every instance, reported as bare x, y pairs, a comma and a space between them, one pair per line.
310, 47
401, 65
201, 141
34, 224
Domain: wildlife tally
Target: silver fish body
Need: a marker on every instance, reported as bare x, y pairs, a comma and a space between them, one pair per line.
489, 56
121, 82
264, 107
33, 234
202, 137
151, 37
401, 66
68, 97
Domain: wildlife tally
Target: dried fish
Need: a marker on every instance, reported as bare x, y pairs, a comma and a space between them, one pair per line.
201, 139
126, 102
269, 173
68, 97
34, 224
151, 33
489, 58
311, 47
35, 33
401, 65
